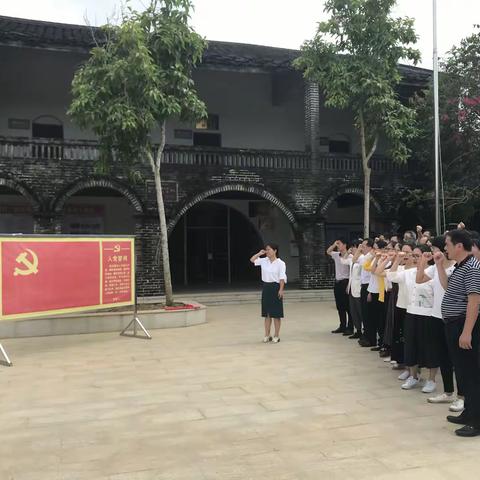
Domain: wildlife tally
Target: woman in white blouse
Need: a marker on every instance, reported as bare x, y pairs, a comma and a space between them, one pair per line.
274, 278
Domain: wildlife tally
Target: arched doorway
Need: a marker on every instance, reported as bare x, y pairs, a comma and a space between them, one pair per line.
213, 240
344, 218
98, 211
343, 214
16, 212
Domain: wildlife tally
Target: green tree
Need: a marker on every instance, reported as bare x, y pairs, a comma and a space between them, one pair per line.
354, 59
459, 102
137, 77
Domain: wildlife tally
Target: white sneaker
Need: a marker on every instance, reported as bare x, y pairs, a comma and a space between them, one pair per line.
404, 375
430, 386
276, 339
442, 398
410, 383
457, 406
387, 359
267, 339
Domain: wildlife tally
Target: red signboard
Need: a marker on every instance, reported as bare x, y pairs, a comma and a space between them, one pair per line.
47, 275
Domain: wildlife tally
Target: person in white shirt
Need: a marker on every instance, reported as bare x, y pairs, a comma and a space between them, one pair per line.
337, 251
375, 322
365, 257
435, 340
404, 262
274, 278
354, 288
419, 310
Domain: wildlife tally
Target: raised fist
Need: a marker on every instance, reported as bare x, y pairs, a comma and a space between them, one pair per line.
427, 256
438, 257
419, 228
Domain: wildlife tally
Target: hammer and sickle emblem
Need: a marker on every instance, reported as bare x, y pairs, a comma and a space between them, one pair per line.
31, 265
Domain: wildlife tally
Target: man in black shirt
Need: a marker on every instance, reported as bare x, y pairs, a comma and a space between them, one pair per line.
460, 308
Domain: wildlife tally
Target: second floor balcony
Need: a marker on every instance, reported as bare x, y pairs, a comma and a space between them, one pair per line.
16, 149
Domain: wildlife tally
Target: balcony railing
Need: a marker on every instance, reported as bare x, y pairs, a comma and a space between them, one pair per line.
239, 158
72, 150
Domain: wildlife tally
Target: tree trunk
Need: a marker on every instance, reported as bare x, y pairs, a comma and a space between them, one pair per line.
367, 171
155, 164
366, 200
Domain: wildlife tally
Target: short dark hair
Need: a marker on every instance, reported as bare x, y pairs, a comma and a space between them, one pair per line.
439, 242
355, 243
381, 244
461, 236
273, 246
343, 240
408, 244
370, 242
423, 248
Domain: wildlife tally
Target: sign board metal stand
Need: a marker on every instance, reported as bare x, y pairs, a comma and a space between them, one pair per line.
7, 361
136, 323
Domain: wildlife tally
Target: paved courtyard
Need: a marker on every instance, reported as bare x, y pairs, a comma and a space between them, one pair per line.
213, 402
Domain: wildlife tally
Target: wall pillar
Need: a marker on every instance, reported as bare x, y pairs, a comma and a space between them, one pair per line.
44, 223
314, 271
149, 272
312, 118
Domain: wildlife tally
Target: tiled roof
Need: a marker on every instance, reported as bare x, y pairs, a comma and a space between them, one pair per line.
60, 35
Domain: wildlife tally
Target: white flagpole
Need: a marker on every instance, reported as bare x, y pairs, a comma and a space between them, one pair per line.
437, 122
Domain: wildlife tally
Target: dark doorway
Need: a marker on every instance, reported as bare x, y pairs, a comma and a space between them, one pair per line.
212, 244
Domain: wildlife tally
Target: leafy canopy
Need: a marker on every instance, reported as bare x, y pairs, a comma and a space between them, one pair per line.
354, 58
138, 76
459, 102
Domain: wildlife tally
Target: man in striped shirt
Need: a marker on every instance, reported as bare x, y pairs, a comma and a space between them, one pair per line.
460, 309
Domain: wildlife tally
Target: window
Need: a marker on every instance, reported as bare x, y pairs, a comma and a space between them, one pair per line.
212, 122
339, 146
201, 139
45, 129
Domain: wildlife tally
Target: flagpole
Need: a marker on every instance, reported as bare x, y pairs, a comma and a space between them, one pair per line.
437, 122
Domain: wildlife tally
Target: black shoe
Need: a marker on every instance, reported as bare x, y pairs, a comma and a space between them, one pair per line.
376, 349
468, 431
355, 336
384, 353
347, 333
338, 330
364, 343
461, 419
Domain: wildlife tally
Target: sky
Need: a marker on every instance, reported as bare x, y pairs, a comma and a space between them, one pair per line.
278, 23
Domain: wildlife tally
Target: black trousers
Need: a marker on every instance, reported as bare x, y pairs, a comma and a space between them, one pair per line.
356, 312
375, 323
467, 368
341, 302
398, 345
446, 366
363, 298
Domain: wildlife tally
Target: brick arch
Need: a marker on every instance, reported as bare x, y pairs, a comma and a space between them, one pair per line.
59, 203
323, 207
238, 187
24, 191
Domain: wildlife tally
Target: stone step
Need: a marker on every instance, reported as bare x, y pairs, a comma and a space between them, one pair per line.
245, 297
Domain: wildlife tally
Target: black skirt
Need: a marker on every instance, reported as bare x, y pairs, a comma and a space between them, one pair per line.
272, 306
398, 345
390, 316
433, 338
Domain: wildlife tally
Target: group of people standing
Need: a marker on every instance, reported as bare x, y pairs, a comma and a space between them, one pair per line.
416, 301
